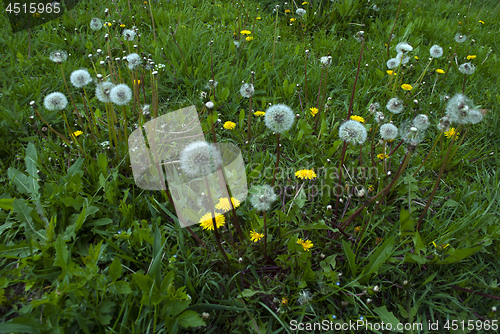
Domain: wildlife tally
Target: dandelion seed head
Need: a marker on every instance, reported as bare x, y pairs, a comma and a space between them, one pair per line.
300, 12
393, 63
120, 94
103, 90
200, 158
129, 34
395, 105
279, 118
379, 117
459, 38
326, 60
247, 90
421, 122
444, 123
95, 24
467, 68
352, 132
457, 109
55, 101
304, 297
403, 58
388, 131
134, 60
373, 107
262, 197
436, 51
58, 56
80, 78
474, 116
403, 47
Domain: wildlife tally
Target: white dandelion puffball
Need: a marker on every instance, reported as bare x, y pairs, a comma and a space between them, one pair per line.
200, 158
457, 109
262, 197
326, 61
279, 118
300, 12
444, 123
388, 131
421, 122
467, 68
128, 34
80, 78
58, 56
436, 51
247, 90
459, 38
103, 90
411, 135
475, 116
395, 105
379, 117
352, 132
55, 101
95, 24
403, 47
134, 60
120, 94
393, 63
373, 107
304, 297
403, 58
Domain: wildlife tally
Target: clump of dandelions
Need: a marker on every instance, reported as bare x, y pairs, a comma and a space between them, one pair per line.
103, 91
395, 105
279, 118
467, 68
58, 56
461, 110
134, 60
352, 132
128, 34
55, 101
120, 94
80, 78
388, 131
421, 122
247, 90
262, 197
95, 24
200, 158
436, 51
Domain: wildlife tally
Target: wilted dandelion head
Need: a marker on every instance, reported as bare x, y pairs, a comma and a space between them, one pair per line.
200, 158
304, 297
95, 24
421, 122
360, 36
146, 110
58, 56
134, 60
393, 63
103, 91
459, 38
388, 131
403, 47
373, 107
467, 68
352, 132
120, 94
300, 12
262, 197
55, 101
475, 116
379, 117
411, 134
279, 118
458, 108
436, 51
326, 60
395, 105
80, 78
403, 58
128, 34
444, 123
247, 90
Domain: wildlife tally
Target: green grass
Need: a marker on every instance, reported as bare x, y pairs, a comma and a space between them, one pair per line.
84, 249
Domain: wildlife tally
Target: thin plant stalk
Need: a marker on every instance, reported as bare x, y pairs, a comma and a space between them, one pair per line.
277, 158
275, 33
250, 113
152, 19
265, 234
428, 155
392, 30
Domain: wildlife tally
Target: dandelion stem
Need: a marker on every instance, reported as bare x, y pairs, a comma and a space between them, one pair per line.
275, 33
392, 30
277, 158
356, 79
341, 164
265, 234
436, 183
305, 77
463, 87
428, 155
52, 129
422, 75
250, 114
152, 19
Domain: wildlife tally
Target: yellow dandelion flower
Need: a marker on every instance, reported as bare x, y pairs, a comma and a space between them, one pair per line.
108, 24
450, 133
292, 19
254, 236
305, 3
314, 111
207, 223
306, 174
137, 82
358, 118
306, 244
122, 25
406, 87
259, 18
482, 22
224, 204
357, 229
36, 15
259, 113
440, 71
76, 133
416, 57
382, 156
370, 188
391, 72
245, 32
249, 38
287, 10
284, 301
229, 125
469, 57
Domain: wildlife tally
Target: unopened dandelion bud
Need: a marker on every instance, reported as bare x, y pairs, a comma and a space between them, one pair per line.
376, 288
154, 73
493, 309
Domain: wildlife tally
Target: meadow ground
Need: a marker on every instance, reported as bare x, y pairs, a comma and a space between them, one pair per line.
368, 133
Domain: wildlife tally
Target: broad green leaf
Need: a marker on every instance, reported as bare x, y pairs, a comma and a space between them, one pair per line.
387, 317
190, 319
102, 162
459, 254
379, 256
351, 258
61, 258
22, 182
115, 269
6, 203
120, 287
